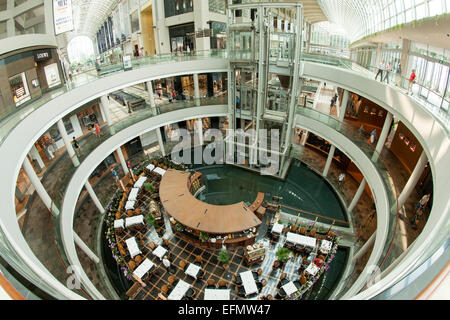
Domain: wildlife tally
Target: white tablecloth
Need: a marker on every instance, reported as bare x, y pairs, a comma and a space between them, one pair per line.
325, 246
179, 291
289, 288
312, 269
150, 167
159, 171
133, 194
132, 246
302, 240
249, 283
217, 294
192, 270
140, 182
159, 252
118, 224
132, 221
143, 268
277, 228
130, 205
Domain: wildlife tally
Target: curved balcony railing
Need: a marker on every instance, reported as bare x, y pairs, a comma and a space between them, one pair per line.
382, 167
10, 118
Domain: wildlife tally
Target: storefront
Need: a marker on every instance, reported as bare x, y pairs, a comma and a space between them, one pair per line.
182, 37
218, 35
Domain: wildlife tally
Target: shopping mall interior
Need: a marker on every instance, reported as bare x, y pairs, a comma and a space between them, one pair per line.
224, 149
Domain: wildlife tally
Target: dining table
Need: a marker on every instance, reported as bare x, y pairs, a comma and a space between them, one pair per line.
217, 294
179, 291
249, 283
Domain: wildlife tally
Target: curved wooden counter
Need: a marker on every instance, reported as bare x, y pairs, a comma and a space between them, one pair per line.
180, 204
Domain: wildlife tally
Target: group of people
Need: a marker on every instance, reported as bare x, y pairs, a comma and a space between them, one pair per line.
387, 69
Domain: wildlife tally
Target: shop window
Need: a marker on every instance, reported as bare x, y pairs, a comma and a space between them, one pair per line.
19, 88
3, 33
366, 109
413, 148
401, 136
381, 113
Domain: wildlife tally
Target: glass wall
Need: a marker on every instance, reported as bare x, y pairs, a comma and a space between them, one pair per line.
176, 7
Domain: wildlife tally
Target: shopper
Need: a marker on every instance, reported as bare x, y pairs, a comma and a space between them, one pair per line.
380, 71
373, 136
76, 146
97, 130
412, 80
398, 75
174, 95
341, 178
419, 209
388, 70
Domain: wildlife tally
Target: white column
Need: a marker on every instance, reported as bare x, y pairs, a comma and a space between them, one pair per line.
85, 248
344, 104
160, 141
329, 160
34, 179
122, 161
94, 197
365, 247
201, 17
34, 154
67, 143
76, 126
104, 106
413, 179
152, 96
196, 90
200, 131
357, 196
383, 137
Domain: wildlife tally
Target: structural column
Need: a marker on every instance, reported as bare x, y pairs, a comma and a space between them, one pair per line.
329, 161
94, 197
196, 90
383, 137
34, 179
365, 247
413, 179
104, 106
200, 131
85, 248
67, 143
344, 104
357, 196
34, 154
122, 161
152, 97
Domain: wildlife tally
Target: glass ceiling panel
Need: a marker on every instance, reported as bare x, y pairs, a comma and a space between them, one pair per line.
364, 17
90, 14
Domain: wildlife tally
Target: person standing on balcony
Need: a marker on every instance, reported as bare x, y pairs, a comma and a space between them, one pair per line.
76, 146
97, 130
398, 75
381, 67
388, 70
419, 209
412, 80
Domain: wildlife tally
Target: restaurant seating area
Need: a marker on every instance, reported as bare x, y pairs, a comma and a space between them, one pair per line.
284, 264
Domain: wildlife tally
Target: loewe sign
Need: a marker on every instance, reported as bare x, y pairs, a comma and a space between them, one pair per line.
42, 55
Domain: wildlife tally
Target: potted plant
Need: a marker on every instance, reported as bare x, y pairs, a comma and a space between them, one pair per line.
283, 255
224, 257
149, 187
203, 236
151, 221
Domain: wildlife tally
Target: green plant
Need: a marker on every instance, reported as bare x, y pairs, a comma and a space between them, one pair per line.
224, 256
151, 220
203, 236
149, 187
283, 254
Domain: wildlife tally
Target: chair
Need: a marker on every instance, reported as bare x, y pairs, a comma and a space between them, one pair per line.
118, 215
276, 264
240, 291
302, 280
303, 230
138, 259
222, 284
263, 282
269, 297
237, 280
133, 291
200, 274
199, 259
182, 264
166, 243
321, 257
137, 211
161, 297
312, 233
152, 245
294, 228
190, 293
172, 279
165, 289
283, 276
259, 271
211, 284
132, 265
130, 213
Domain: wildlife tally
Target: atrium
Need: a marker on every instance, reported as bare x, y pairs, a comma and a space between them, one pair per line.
224, 149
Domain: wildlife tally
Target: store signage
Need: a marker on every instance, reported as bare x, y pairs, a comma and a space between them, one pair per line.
62, 16
42, 55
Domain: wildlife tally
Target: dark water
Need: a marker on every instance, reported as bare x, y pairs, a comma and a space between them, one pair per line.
303, 189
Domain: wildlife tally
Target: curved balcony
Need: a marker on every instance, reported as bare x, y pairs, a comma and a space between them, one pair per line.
431, 132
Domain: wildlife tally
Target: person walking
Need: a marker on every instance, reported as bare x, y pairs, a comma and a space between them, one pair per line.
398, 75
174, 95
381, 67
76, 146
419, 209
388, 70
97, 130
341, 178
373, 136
412, 80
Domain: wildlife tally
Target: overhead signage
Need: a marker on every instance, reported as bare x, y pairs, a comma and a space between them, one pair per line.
62, 16
42, 55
